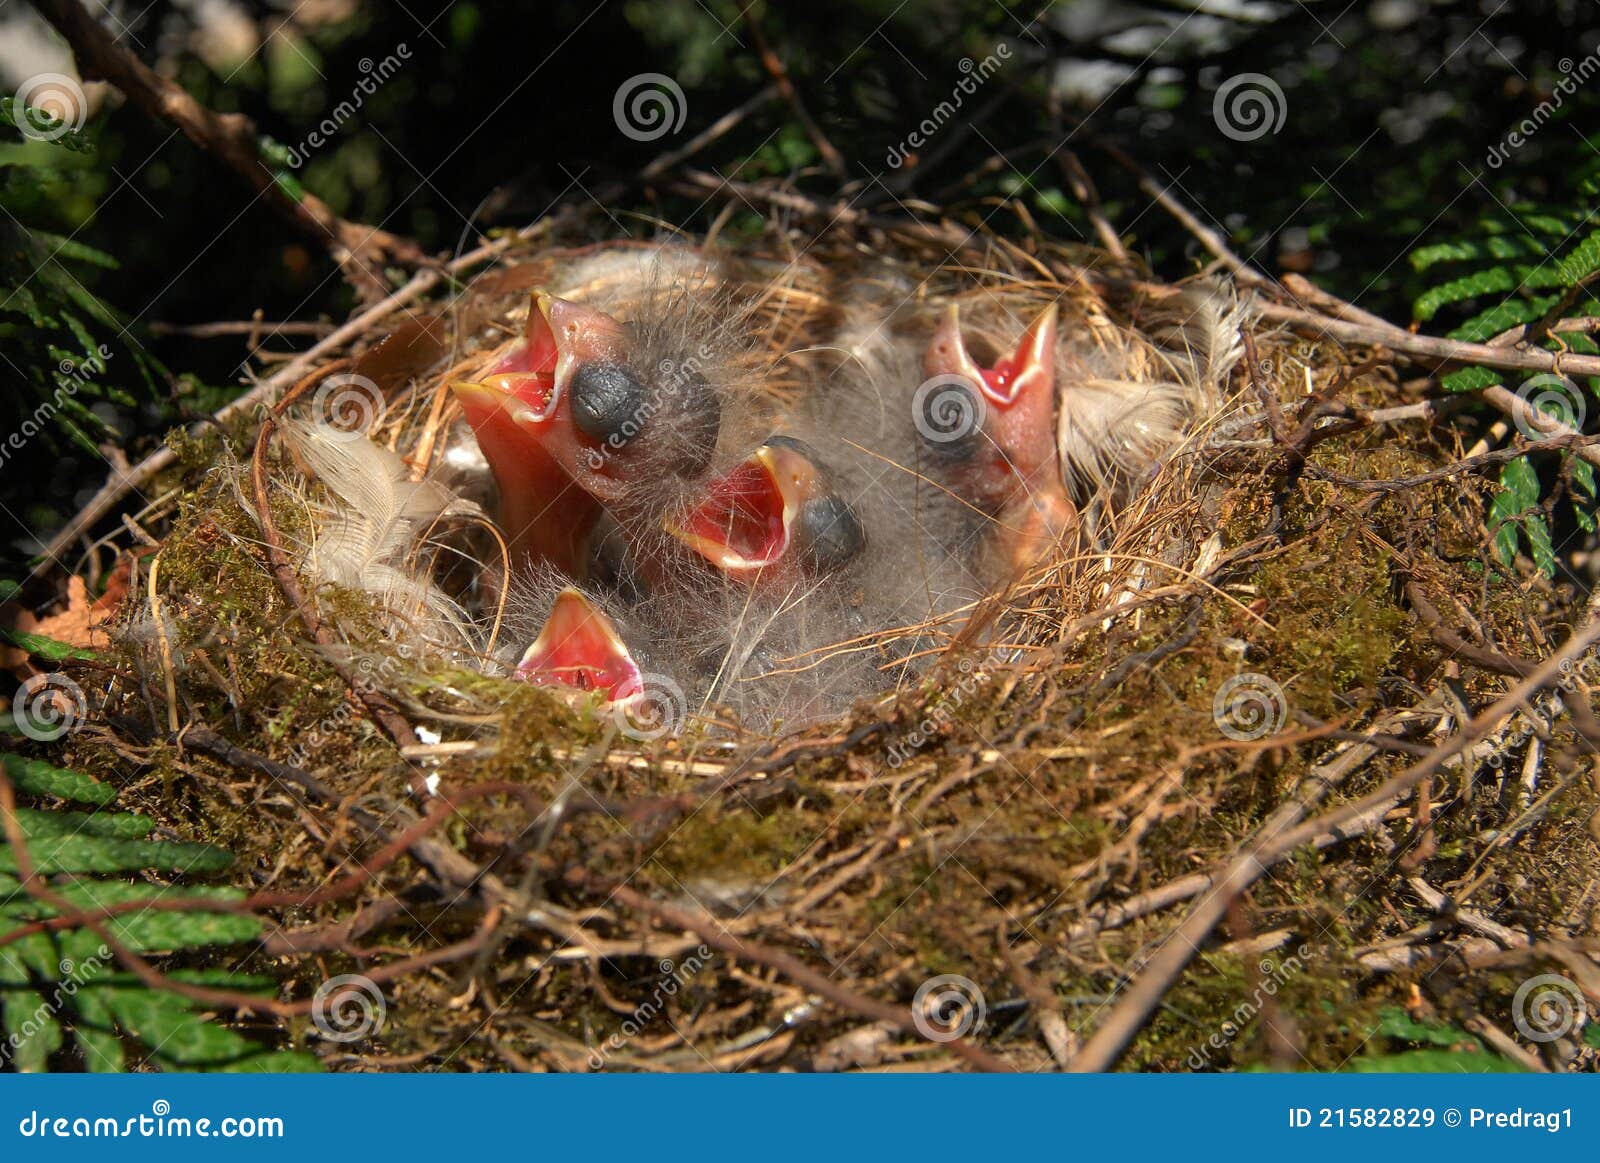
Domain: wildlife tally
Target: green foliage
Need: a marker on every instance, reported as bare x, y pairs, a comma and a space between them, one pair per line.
1423, 1047
57, 332
66, 982
1529, 265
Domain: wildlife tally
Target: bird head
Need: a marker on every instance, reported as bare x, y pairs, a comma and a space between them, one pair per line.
1008, 463
1012, 405
600, 398
587, 412
775, 512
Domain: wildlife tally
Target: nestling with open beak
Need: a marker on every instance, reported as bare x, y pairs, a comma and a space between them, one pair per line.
775, 514
581, 648
992, 428
590, 412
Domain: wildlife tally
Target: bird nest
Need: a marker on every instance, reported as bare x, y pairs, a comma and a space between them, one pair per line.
1182, 795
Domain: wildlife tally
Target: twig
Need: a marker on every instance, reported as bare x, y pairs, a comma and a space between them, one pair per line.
1432, 348
231, 138
717, 936
775, 68
1277, 836
126, 481
711, 133
239, 327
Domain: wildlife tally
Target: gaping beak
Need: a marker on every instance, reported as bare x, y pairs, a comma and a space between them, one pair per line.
1028, 373
544, 515
579, 647
573, 335
773, 507
1019, 397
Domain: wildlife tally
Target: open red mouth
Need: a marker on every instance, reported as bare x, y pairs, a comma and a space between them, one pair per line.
746, 520
1027, 372
579, 647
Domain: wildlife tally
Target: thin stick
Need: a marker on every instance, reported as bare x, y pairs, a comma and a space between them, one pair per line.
125, 482
1278, 836
231, 139
779, 72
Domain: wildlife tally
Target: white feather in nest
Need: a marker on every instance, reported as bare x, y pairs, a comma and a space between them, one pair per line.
375, 531
1127, 401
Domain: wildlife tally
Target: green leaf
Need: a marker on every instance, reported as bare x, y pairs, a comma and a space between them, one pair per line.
1394, 1022
1434, 1062
34, 1032
37, 778
99, 854
278, 1062
174, 1032
1543, 551
1507, 507
1492, 281
1591, 1035
1582, 261
116, 825
47, 648
1521, 483
1471, 379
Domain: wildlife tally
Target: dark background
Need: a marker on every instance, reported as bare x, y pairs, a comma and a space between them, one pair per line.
504, 110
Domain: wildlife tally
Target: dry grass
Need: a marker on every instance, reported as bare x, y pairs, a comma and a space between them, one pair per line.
1037, 818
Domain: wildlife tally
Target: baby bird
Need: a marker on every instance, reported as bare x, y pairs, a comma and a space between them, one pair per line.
1000, 453
579, 647
612, 406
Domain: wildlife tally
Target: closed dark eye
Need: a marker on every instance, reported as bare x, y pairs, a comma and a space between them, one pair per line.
608, 403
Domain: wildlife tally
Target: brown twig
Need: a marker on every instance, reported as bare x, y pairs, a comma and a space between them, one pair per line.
779, 72
717, 936
361, 251
1282, 833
